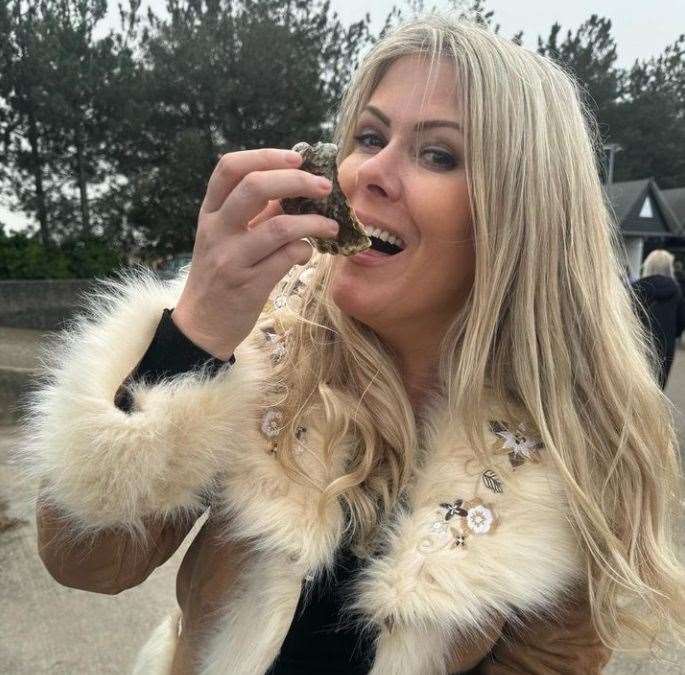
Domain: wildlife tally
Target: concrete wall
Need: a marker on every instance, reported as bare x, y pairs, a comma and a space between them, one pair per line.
42, 304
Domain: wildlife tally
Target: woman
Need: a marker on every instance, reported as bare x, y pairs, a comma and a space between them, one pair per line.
661, 308
449, 452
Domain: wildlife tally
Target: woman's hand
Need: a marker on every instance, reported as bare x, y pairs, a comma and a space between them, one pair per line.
245, 244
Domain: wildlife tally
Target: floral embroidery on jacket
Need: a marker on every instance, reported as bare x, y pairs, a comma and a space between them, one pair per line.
276, 342
455, 523
271, 427
522, 446
492, 482
271, 423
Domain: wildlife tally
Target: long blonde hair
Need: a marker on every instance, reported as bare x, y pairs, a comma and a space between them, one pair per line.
548, 325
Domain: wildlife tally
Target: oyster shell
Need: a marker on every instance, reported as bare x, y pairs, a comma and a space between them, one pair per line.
320, 159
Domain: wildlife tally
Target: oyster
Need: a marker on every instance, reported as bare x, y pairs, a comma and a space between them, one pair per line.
320, 159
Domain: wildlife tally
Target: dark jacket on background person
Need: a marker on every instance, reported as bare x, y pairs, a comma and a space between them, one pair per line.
664, 316
470, 576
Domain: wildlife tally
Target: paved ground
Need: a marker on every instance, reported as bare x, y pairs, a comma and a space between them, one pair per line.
47, 628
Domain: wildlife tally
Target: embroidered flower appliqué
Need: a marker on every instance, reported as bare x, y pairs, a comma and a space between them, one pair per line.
301, 436
522, 445
456, 521
271, 423
491, 481
454, 509
278, 352
479, 519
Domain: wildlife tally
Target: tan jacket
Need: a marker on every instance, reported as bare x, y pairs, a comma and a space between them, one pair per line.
480, 570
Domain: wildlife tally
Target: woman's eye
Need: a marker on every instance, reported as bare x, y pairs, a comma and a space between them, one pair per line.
445, 159
441, 159
362, 137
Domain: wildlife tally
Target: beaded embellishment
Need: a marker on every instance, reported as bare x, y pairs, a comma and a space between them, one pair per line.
276, 343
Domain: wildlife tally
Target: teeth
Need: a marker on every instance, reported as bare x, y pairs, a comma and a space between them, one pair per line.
385, 236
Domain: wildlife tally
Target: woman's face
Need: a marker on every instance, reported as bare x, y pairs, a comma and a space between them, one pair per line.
425, 202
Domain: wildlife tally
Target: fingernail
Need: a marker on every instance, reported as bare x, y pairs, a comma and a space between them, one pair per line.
324, 183
292, 157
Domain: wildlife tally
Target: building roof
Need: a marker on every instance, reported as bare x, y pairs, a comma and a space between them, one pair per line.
675, 197
641, 209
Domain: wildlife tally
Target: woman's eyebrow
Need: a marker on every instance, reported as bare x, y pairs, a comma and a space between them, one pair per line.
426, 124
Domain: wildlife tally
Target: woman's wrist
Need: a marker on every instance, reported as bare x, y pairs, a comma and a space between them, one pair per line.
208, 344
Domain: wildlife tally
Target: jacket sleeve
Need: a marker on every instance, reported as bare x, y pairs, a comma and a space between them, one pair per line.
170, 353
566, 644
132, 478
109, 561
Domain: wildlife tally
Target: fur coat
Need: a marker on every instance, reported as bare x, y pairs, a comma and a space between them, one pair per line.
466, 556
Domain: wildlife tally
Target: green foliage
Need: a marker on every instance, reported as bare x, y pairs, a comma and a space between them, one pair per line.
114, 139
642, 109
652, 123
590, 55
23, 256
225, 76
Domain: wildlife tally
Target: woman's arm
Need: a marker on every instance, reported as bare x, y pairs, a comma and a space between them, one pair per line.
110, 561
146, 473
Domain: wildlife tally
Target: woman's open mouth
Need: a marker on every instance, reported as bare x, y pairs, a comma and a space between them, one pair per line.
380, 252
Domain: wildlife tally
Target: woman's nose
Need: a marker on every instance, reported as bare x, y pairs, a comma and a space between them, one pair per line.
379, 175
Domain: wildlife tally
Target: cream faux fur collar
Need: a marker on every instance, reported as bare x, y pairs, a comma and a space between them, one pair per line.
464, 551
466, 548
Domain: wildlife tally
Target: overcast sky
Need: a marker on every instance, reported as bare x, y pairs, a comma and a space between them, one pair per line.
641, 29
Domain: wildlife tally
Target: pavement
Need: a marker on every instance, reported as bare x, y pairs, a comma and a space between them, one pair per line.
47, 628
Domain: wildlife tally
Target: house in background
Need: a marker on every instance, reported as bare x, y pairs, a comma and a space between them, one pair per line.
675, 198
646, 220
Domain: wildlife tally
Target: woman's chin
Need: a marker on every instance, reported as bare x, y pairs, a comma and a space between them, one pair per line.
352, 301
357, 297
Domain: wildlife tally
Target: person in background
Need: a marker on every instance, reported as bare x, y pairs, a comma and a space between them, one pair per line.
661, 308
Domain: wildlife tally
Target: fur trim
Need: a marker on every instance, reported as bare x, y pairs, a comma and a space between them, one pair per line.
470, 547
249, 635
105, 467
473, 547
157, 655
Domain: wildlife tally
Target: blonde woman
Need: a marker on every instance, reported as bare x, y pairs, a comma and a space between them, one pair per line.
453, 459
661, 307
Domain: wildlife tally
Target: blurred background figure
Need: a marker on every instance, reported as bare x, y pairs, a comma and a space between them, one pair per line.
664, 307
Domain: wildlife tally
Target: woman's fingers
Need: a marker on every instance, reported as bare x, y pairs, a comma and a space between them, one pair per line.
282, 230
256, 189
234, 166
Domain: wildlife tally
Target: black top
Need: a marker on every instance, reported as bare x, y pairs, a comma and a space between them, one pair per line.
317, 641
664, 318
